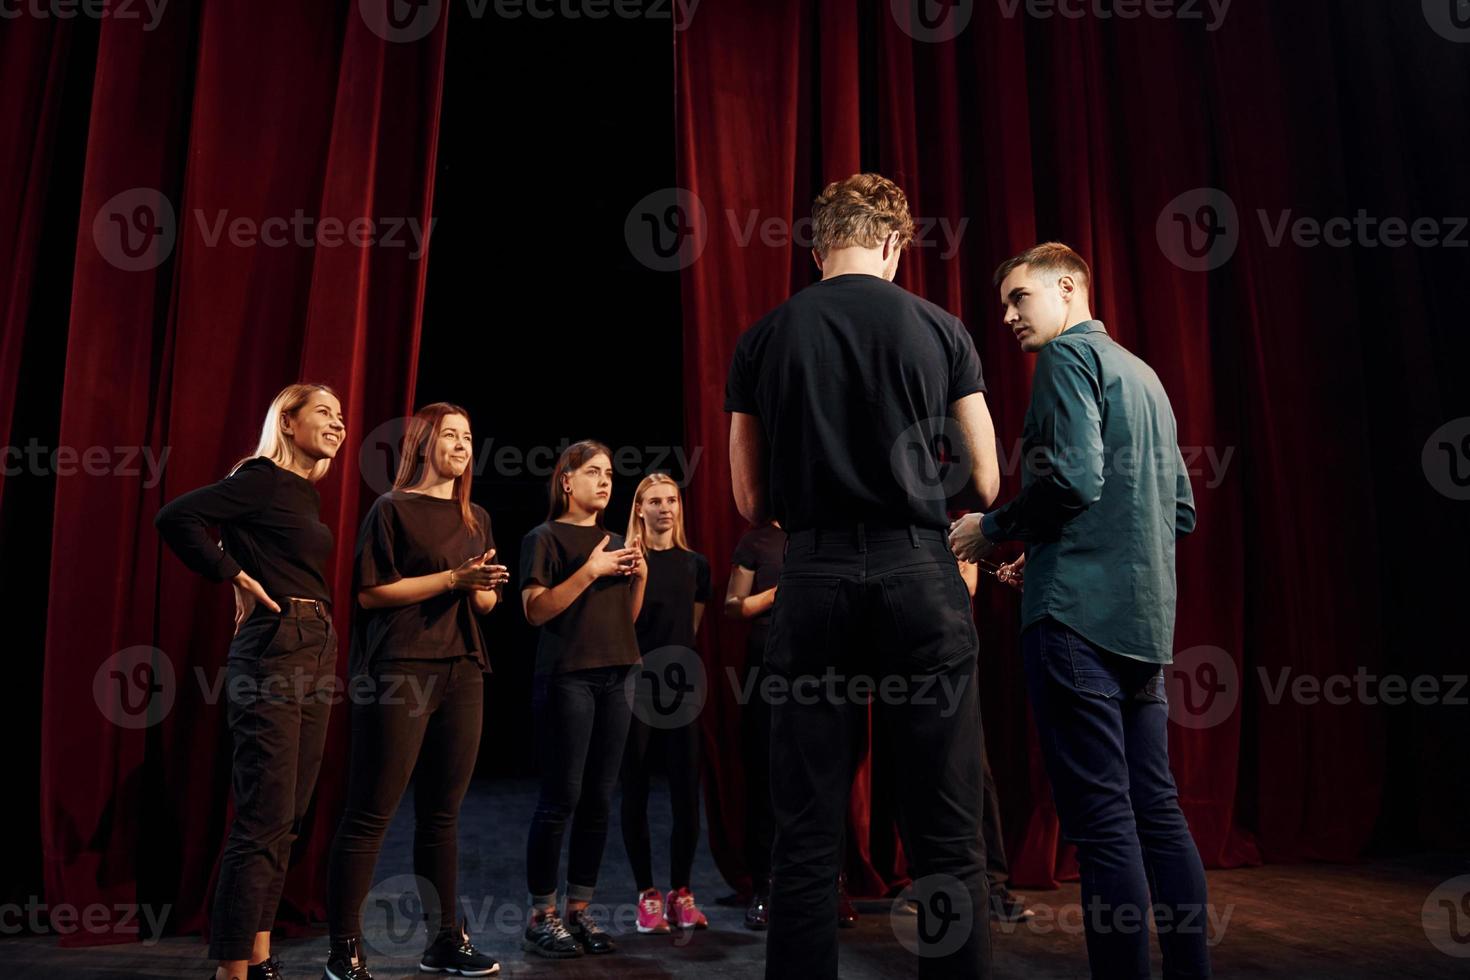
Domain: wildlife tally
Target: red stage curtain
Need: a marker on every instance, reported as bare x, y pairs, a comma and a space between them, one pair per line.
1083, 131
225, 111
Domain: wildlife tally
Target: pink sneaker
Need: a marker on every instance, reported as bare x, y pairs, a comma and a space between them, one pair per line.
682, 912
651, 912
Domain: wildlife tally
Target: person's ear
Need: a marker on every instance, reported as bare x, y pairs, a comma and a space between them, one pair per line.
1067, 285
817, 258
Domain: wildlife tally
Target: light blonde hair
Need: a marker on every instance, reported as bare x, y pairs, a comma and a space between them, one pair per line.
274, 444
635, 523
861, 210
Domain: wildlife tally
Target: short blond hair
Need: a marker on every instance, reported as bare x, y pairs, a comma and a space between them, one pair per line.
1049, 257
860, 211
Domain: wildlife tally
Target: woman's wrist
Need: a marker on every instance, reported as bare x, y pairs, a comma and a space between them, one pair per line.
452, 583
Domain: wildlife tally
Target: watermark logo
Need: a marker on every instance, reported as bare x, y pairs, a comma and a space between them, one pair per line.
1203, 687
668, 688
135, 687
393, 915
1450, 19
929, 459
932, 21
946, 916
1446, 459
119, 10
401, 21
1199, 230
1446, 917
136, 229
667, 229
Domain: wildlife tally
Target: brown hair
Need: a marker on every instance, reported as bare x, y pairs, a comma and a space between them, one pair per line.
862, 210
1048, 257
273, 444
574, 457
423, 430
635, 523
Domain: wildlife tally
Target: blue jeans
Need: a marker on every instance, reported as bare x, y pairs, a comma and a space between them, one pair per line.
581, 729
1103, 723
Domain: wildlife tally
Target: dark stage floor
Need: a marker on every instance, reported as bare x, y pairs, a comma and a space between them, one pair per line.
1344, 923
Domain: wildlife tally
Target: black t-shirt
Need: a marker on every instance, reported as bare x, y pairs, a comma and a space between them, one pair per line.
596, 630
677, 579
406, 535
846, 376
761, 550
269, 520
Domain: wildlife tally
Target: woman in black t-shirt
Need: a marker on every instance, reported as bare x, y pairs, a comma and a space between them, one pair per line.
425, 572
673, 604
584, 589
275, 549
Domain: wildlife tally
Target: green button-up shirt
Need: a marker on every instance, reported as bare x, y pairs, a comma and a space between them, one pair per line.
1103, 495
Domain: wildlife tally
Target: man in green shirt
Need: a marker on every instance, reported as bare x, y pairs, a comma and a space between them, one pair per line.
1104, 494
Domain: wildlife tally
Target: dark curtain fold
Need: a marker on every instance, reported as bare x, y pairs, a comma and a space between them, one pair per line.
1016, 130
180, 332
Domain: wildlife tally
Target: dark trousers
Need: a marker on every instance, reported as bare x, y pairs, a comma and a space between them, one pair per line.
280, 684
581, 722
1103, 724
997, 868
418, 718
881, 617
681, 760
755, 744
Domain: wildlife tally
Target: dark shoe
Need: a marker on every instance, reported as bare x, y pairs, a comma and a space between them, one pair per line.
588, 934
454, 953
1005, 906
758, 915
267, 969
345, 961
547, 936
847, 916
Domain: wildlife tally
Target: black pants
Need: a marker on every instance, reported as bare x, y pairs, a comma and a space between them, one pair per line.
280, 683
997, 868
755, 744
581, 722
681, 760
881, 617
418, 718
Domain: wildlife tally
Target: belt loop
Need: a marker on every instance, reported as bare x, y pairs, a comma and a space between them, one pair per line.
914, 535
862, 536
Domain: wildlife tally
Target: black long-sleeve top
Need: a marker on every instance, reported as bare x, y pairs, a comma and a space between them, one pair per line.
269, 520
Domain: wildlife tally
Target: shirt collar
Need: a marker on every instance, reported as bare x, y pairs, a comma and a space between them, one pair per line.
1086, 326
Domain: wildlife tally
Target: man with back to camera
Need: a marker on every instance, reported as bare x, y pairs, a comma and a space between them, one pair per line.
1104, 495
822, 391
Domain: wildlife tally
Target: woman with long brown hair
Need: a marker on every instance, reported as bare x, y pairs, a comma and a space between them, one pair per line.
673, 605
275, 549
584, 588
425, 574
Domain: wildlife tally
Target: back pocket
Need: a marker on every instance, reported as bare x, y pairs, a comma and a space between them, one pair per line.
931, 618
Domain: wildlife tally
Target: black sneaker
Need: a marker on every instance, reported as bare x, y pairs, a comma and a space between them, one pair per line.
1006, 906
454, 953
546, 936
589, 935
345, 961
758, 914
267, 969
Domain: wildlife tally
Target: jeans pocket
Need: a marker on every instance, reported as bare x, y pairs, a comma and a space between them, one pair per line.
931, 617
1090, 675
1153, 689
799, 640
